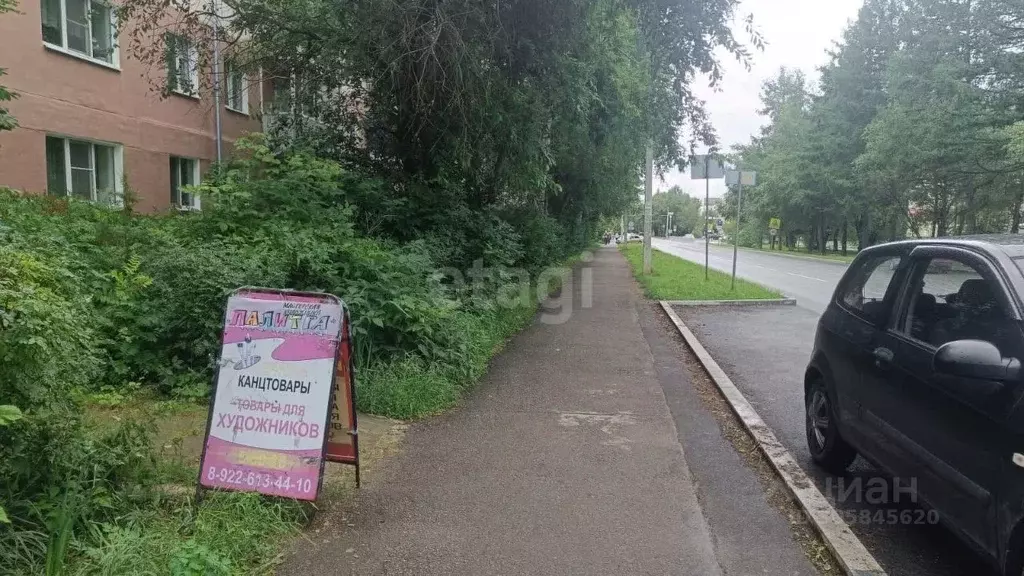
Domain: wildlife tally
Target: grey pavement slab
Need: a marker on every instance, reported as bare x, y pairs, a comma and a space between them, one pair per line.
566, 459
765, 351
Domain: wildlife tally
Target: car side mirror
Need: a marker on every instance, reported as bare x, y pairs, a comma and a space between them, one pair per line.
975, 359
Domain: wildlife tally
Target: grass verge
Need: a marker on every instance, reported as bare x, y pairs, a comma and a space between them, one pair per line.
673, 278
152, 524
231, 533
804, 254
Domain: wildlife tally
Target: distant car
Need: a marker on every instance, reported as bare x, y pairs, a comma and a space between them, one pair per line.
916, 367
688, 236
631, 237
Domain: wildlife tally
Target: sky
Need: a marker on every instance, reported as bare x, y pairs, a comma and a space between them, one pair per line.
797, 34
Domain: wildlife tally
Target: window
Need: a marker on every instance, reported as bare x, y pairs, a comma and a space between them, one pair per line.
182, 59
950, 300
281, 93
84, 27
184, 172
1019, 261
865, 291
86, 170
236, 88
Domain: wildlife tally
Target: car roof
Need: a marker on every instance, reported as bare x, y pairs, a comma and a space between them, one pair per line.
1011, 245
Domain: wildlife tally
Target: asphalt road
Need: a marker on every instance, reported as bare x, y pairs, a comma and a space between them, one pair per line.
765, 351
810, 281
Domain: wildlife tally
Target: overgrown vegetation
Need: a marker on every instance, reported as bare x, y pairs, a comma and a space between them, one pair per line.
913, 129
409, 139
98, 304
674, 278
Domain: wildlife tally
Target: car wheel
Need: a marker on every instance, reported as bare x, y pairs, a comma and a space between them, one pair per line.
828, 449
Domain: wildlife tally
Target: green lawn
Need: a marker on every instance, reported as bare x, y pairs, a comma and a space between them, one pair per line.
827, 256
673, 278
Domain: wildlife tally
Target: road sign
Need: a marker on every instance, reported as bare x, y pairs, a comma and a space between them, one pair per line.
735, 177
270, 414
704, 167
773, 232
774, 223
630, 225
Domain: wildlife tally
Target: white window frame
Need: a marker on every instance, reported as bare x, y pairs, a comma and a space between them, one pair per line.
241, 78
115, 54
118, 175
192, 54
196, 202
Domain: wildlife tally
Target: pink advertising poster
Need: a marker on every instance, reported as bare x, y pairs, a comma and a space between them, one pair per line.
270, 413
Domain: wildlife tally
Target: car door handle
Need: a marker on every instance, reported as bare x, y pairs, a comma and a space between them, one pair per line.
883, 357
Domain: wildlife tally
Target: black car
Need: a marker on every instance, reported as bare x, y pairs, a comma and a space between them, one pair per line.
917, 367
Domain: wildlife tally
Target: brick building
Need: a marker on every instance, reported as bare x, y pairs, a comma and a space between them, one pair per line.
89, 114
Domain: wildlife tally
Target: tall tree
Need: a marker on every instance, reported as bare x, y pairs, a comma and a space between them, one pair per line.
471, 108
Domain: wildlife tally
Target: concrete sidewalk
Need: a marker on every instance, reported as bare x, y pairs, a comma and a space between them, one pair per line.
565, 460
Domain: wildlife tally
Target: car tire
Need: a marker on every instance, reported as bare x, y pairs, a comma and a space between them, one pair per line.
828, 448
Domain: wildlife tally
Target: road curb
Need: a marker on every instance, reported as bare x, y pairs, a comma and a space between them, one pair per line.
847, 549
765, 302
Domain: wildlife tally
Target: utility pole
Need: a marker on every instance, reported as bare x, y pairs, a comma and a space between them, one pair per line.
707, 202
648, 194
736, 239
668, 220
216, 80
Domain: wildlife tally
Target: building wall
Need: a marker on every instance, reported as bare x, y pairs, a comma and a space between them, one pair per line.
65, 95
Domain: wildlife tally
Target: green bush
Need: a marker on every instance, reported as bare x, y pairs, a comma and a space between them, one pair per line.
751, 235
542, 238
47, 343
